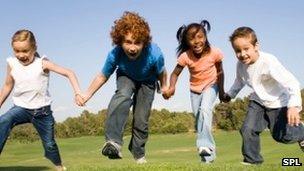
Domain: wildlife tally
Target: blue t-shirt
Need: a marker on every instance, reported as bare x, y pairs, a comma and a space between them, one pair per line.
146, 67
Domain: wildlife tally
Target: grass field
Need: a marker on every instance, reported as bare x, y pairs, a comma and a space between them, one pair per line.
164, 152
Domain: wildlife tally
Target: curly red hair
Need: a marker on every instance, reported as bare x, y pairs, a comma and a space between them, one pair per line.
130, 22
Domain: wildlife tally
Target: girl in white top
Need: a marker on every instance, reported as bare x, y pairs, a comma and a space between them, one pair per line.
28, 74
275, 102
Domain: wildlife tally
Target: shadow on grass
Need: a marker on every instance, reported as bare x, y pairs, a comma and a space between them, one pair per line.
24, 168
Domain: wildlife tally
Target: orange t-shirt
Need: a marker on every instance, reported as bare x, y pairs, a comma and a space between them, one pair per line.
202, 70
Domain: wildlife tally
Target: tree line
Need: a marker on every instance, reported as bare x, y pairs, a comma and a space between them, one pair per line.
226, 116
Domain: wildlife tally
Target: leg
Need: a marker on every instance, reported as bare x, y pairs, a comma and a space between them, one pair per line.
142, 106
203, 117
118, 110
44, 122
253, 125
14, 116
280, 130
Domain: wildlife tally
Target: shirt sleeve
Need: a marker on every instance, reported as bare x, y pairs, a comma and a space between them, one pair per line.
219, 56
110, 64
182, 60
288, 81
237, 85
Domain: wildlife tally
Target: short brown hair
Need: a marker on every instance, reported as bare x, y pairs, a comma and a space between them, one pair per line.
130, 22
246, 32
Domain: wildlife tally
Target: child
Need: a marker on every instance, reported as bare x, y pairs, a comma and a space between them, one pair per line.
206, 81
29, 74
275, 102
139, 64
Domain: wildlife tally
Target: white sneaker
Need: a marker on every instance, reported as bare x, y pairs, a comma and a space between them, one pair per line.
204, 151
141, 160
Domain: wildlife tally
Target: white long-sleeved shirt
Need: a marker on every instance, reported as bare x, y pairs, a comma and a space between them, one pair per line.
273, 86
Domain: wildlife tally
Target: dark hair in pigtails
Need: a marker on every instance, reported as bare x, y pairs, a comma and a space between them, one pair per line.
206, 25
182, 32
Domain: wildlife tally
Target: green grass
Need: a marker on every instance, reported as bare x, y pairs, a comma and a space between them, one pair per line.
164, 152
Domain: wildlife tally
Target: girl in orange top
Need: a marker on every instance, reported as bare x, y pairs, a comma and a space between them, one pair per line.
206, 81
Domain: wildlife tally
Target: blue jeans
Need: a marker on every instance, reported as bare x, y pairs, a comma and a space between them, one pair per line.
202, 106
128, 93
43, 121
257, 119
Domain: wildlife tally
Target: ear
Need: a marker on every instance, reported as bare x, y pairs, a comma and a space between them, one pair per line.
257, 46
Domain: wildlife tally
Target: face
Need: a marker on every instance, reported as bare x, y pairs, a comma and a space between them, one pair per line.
132, 47
196, 41
245, 51
23, 52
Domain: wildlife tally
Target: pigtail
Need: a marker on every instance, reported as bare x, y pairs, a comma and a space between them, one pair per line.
37, 55
206, 25
180, 33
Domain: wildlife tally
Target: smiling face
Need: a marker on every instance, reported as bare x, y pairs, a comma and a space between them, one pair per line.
24, 52
132, 47
245, 51
196, 41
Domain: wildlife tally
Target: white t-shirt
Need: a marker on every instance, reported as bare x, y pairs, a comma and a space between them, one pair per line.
273, 85
31, 84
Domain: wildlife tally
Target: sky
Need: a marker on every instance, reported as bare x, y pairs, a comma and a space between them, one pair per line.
75, 34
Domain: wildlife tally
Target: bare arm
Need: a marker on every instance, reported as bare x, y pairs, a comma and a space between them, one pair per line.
7, 87
98, 81
162, 77
220, 81
49, 66
173, 79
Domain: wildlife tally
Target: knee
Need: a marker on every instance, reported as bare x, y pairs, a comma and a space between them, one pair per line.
51, 146
246, 131
124, 94
5, 120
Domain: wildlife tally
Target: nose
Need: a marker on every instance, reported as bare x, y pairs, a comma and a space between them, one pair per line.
132, 49
243, 53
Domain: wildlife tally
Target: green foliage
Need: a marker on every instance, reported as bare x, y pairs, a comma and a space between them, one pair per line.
227, 116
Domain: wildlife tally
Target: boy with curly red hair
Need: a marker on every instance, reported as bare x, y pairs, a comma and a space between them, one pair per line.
139, 64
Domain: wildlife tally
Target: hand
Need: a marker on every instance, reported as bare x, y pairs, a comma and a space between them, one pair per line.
224, 97
80, 99
168, 93
293, 116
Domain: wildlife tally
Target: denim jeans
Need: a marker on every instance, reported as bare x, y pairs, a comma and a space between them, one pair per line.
128, 93
257, 119
202, 106
43, 121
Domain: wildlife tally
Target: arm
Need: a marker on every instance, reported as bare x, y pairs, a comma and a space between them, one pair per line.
98, 81
290, 83
49, 66
7, 87
237, 85
220, 81
173, 79
162, 77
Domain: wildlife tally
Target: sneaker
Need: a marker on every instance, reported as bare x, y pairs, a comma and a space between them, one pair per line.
301, 144
60, 168
246, 163
204, 151
141, 160
112, 150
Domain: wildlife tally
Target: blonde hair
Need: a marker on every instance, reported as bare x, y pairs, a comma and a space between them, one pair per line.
130, 22
25, 35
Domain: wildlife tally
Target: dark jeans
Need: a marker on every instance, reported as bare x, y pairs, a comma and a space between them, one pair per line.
43, 121
140, 95
257, 119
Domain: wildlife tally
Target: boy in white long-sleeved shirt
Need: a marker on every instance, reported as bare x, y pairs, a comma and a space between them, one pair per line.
276, 99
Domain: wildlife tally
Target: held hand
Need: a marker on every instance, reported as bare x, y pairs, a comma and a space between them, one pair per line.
79, 99
224, 97
293, 116
168, 93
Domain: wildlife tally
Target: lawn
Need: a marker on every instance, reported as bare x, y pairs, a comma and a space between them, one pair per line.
164, 152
